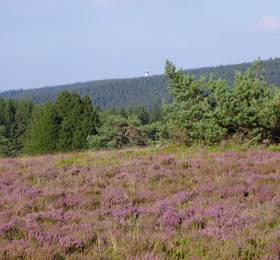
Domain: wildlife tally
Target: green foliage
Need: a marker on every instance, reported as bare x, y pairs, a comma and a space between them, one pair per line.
71, 124
192, 111
43, 131
61, 126
152, 131
14, 117
128, 127
69, 109
3, 142
274, 121
156, 113
116, 131
142, 115
246, 109
210, 110
204, 110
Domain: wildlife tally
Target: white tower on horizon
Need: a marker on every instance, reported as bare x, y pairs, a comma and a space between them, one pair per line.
147, 73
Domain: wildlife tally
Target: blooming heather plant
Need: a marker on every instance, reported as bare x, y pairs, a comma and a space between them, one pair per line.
223, 205
170, 218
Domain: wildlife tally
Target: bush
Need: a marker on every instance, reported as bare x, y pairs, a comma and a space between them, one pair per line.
116, 132
210, 110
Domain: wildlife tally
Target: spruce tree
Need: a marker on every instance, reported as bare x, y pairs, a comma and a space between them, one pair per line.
90, 119
69, 111
42, 135
77, 120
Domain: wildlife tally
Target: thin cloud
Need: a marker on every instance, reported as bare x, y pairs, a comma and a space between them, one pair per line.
268, 24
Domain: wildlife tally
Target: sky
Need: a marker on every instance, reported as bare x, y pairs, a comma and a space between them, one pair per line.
53, 42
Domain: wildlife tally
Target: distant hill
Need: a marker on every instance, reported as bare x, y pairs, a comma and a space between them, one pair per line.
116, 93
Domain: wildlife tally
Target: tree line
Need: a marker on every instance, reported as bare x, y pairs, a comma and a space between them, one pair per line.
72, 123
128, 93
205, 110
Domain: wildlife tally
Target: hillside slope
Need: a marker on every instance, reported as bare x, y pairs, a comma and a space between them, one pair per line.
172, 203
136, 91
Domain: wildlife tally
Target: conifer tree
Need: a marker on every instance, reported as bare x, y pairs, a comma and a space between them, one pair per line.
77, 120
3, 142
42, 135
90, 120
69, 111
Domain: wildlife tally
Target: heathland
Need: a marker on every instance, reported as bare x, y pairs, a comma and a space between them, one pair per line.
134, 183
170, 202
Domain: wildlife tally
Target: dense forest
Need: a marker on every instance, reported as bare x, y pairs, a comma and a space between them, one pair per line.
205, 110
71, 123
136, 92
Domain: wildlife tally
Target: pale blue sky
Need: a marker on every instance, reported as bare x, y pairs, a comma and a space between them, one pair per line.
50, 42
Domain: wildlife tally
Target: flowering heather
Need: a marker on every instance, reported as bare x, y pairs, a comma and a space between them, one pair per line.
181, 197
167, 160
71, 245
170, 218
141, 204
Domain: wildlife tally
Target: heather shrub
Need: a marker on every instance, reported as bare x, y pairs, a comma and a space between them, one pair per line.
172, 202
12, 233
75, 159
180, 249
253, 249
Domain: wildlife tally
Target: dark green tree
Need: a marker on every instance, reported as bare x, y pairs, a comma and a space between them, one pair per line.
89, 121
43, 131
77, 120
14, 117
69, 108
3, 142
22, 119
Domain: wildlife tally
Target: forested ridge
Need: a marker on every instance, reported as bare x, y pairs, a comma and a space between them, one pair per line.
133, 92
